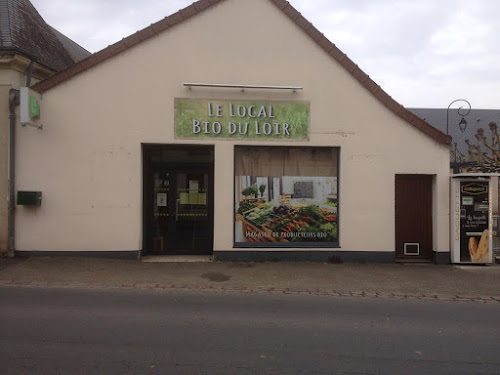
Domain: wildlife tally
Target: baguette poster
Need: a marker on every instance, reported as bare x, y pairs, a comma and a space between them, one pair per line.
474, 222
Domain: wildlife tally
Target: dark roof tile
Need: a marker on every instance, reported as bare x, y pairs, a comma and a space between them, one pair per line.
77, 52
477, 118
176, 18
24, 31
189, 11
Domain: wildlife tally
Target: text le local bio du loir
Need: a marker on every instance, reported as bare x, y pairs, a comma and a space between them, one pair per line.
241, 111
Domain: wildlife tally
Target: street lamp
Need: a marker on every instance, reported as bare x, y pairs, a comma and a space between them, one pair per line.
463, 123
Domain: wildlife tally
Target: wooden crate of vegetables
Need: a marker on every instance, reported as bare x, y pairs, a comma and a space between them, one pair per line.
306, 224
253, 233
254, 217
269, 223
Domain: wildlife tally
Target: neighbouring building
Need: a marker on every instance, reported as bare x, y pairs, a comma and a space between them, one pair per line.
232, 128
475, 135
475, 148
28, 48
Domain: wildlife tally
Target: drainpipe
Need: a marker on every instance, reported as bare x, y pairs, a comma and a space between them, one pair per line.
29, 73
13, 102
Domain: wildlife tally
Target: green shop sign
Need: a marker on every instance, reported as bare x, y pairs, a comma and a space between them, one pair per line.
241, 119
34, 106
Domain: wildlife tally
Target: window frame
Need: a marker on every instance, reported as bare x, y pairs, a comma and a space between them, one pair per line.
287, 245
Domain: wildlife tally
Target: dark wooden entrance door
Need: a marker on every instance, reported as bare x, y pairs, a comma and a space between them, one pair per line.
178, 200
414, 218
180, 212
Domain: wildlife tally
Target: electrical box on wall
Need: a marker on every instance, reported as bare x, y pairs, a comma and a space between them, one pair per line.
29, 198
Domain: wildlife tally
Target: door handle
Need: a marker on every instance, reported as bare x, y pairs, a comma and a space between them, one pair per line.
177, 209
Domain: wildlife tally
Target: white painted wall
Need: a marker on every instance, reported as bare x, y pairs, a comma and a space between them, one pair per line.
87, 160
13, 74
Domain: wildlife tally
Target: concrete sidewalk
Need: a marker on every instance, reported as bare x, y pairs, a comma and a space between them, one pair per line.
425, 281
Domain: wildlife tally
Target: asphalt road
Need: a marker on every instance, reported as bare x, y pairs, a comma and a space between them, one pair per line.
125, 331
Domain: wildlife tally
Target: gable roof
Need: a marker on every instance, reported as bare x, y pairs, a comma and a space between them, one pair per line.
289, 11
23, 31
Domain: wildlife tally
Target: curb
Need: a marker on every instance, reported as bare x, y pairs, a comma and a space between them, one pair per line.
259, 290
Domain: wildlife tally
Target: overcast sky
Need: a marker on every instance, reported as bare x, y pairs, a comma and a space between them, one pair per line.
424, 53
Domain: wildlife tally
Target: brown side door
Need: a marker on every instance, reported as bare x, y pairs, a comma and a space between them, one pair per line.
414, 218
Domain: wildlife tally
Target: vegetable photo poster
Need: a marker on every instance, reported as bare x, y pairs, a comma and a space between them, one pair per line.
276, 209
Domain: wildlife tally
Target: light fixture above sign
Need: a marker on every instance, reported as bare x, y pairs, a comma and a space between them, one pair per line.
242, 87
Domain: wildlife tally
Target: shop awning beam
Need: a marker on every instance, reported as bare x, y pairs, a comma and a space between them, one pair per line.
242, 87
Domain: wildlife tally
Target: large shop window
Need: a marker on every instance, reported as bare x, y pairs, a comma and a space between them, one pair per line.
286, 196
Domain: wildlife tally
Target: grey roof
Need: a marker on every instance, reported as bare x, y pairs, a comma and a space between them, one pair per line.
76, 51
477, 118
23, 30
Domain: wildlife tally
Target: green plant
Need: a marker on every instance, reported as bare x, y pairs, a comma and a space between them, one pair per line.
331, 204
262, 189
251, 190
245, 206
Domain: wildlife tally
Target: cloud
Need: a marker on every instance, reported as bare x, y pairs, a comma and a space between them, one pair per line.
423, 53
